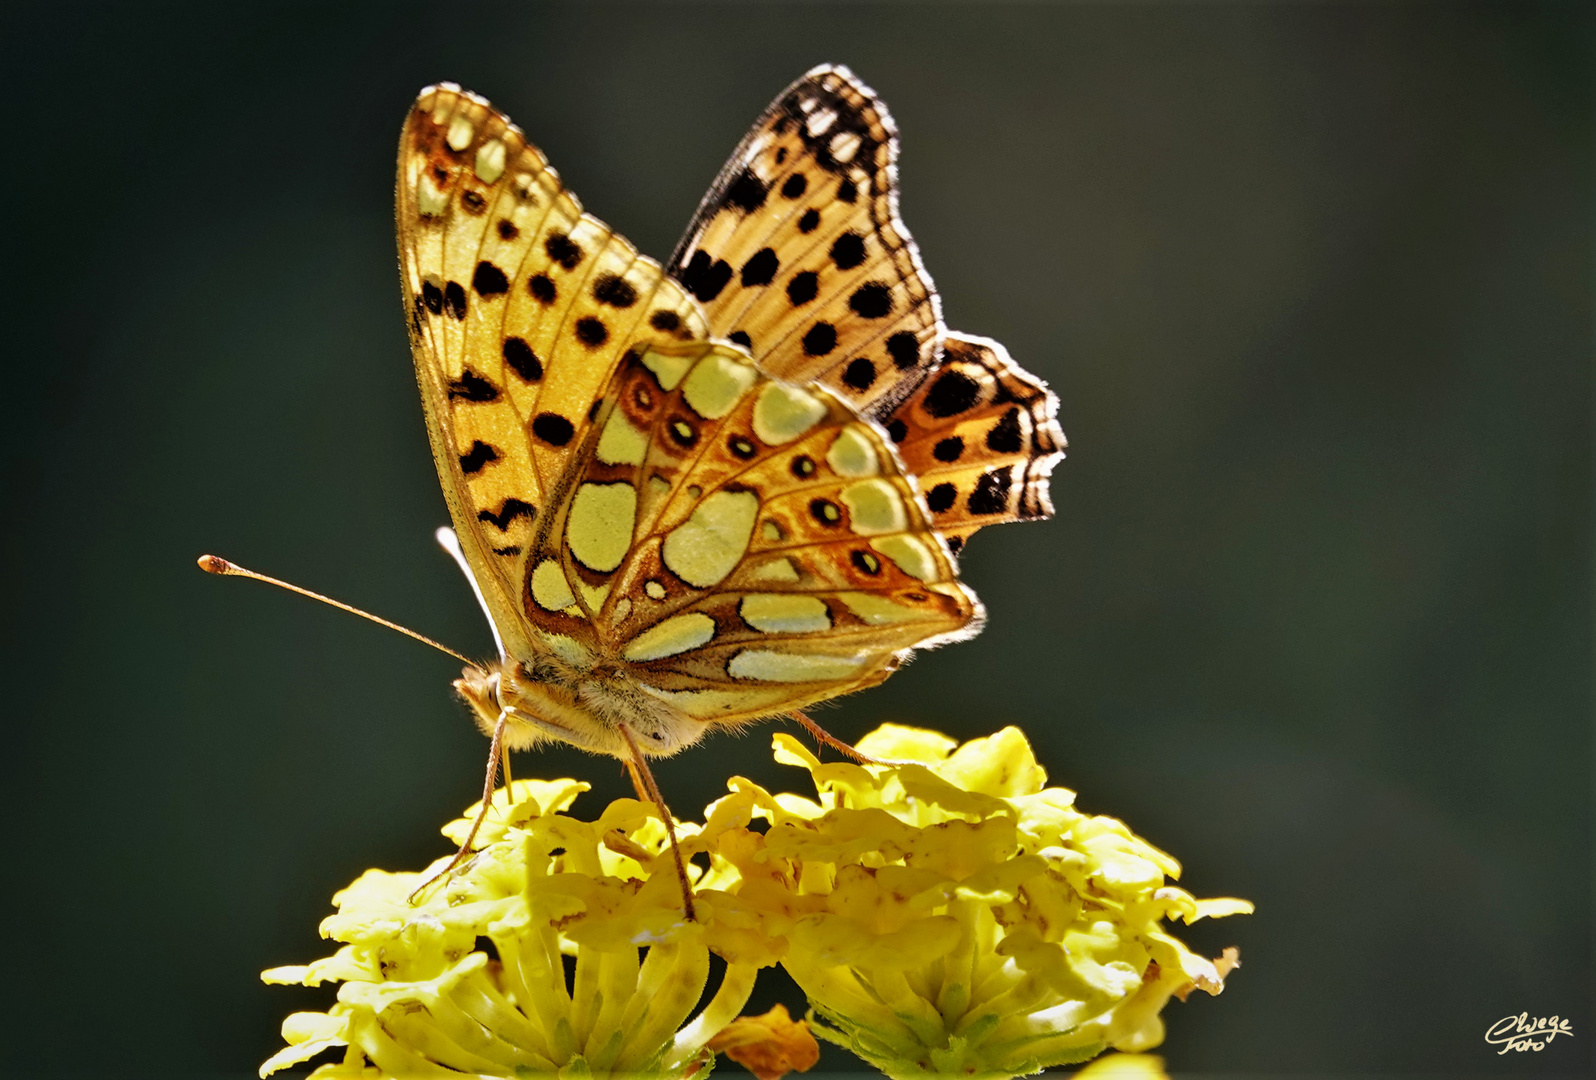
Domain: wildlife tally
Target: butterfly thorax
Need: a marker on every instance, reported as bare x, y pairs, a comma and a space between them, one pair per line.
548, 700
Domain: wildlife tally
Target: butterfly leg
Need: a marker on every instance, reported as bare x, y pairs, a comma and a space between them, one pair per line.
826, 738
648, 790
495, 751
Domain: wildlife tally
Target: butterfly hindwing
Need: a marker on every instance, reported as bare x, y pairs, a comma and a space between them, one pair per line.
798, 252
521, 306
743, 546
980, 436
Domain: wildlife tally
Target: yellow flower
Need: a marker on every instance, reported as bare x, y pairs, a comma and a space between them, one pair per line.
553, 895
948, 913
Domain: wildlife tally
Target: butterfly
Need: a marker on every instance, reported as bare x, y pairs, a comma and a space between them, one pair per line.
701, 494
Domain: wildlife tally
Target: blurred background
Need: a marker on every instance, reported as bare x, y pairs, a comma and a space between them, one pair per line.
1312, 282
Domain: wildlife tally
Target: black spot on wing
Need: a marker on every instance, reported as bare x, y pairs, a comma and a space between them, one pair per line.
454, 300
477, 458
859, 373
941, 497
432, 297
872, 300
563, 250
664, 320
825, 512
898, 430
746, 193
948, 449
820, 340
522, 360
552, 428
951, 393
803, 287
541, 286
682, 433
809, 220
1005, 436
507, 229
991, 494
865, 562
614, 290
847, 191
741, 337
904, 348
705, 277
848, 250
473, 387
508, 511
489, 280
795, 186
761, 267
591, 332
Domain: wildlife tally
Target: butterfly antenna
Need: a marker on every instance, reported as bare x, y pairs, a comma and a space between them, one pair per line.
215, 564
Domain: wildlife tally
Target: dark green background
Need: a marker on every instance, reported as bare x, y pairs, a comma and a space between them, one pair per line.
1312, 284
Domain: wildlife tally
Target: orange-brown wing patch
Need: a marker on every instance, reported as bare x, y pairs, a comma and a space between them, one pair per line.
980, 437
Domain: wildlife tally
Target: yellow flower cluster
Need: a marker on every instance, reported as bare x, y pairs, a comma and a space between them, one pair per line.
945, 913
950, 914
596, 969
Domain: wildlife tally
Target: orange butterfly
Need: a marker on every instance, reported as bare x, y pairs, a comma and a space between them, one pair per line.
716, 491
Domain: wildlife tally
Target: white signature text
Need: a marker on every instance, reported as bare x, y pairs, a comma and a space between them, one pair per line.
1524, 1032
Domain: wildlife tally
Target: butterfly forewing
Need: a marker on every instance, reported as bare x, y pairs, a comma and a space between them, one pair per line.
794, 249
798, 253
521, 307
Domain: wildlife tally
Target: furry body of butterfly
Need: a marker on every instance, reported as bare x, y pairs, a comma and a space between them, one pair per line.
701, 495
